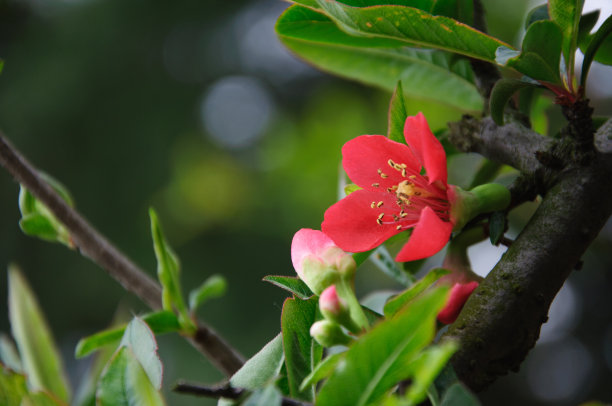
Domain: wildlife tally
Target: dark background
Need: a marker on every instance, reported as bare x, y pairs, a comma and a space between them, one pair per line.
194, 108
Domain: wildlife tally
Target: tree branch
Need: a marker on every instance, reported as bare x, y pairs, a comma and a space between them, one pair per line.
512, 144
224, 391
96, 247
501, 321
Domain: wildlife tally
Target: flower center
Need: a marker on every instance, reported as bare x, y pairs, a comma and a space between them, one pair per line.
406, 189
412, 195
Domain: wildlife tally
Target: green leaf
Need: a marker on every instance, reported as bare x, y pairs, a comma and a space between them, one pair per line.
459, 395
37, 220
540, 54
159, 322
268, 396
426, 368
41, 399
213, 287
397, 303
12, 387
501, 93
384, 261
124, 382
566, 14
537, 14
586, 24
414, 27
262, 367
291, 284
168, 268
139, 338
425, 74
397, 115
350, 188
497, 226
302, 352
322, 370
9, 355
85, 395
600, 48
39, 355
459, 9
486, 173
377, 361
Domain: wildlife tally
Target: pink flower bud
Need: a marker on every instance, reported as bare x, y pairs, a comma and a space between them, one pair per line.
330, 304
458, 296
318, 261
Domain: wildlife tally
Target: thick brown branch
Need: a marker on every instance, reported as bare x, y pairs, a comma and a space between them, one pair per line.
512, 144
97, 248
501, 321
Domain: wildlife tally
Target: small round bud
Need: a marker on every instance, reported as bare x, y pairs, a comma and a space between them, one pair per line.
327, 333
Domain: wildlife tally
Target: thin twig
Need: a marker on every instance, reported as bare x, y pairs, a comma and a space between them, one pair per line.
96, 247
223, 391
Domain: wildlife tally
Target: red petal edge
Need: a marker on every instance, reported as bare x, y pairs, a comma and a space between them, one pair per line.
364, 156
429, 236
426, 147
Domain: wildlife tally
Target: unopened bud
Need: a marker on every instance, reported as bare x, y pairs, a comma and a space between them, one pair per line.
327, 333
318, 261
332, 307
460, 292
318, 275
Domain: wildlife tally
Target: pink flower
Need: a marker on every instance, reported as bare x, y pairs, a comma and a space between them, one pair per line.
318, 261
396, 195
460, 292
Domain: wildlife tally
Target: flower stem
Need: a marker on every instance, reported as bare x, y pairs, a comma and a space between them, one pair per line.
346, 292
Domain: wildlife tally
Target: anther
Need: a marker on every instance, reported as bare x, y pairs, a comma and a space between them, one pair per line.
384, 175
379, 219
379, 204
375, 184
373, 204
398, 227
391, 163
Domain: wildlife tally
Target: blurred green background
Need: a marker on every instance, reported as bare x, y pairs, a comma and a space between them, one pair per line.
194, 108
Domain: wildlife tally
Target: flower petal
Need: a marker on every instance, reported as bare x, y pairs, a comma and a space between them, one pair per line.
426, 147
363, 157
352, 222
308, 242
428, 237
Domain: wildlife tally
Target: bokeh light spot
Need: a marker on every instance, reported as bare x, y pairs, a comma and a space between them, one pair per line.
235, 111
